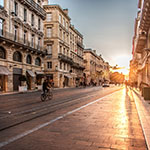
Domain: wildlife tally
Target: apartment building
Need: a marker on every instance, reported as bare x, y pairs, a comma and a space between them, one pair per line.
96, 69
21, 44
64, 45
76, 53
140, 64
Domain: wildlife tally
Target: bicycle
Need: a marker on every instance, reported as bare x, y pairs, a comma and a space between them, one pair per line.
47, 95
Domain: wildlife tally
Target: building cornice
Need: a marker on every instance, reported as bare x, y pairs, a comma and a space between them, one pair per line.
46, 7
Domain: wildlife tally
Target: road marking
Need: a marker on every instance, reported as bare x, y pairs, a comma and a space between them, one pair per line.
19, 136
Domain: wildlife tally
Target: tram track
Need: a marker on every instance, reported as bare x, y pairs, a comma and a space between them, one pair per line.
14, 119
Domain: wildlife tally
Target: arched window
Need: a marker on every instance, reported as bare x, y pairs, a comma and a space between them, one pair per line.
2, 53
29, 59
17, 56
38, 61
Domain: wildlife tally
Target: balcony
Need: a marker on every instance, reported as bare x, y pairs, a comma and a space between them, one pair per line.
65, 58
10, 38
31, 4
80, 44
140, 43
75, 65
3, 12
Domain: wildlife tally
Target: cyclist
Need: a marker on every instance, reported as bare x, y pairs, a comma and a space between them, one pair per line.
46, 86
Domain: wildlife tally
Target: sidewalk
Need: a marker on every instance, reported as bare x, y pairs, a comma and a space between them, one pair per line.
143, 108
30, 91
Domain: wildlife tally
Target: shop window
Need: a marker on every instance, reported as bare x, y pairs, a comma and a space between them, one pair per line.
38, 61
17, 56
29, 59
2, 53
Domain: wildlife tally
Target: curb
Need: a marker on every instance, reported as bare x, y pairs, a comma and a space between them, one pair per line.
144, 115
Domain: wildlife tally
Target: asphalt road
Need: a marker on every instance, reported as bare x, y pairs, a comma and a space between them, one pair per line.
84, 119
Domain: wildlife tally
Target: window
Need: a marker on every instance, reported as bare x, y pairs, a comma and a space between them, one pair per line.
67, 26
16, 8
60, 33
17, 56
25, 37
64, 24
39, 2
25, 14
49, 49
60, 49
60, 18
1, 27
39, 24
2, 53
15, 33
64, 66
29, 59
49, 65
49, 17
60, 65
32, 19
39, 42
64, 51
38, 61
32, 40
64, 36
49, 32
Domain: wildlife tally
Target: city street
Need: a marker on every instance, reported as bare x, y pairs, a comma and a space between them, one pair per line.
90, 118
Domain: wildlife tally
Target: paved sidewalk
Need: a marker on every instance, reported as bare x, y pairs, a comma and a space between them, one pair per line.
143, 108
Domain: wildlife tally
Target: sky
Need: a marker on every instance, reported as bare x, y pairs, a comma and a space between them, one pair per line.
106, 25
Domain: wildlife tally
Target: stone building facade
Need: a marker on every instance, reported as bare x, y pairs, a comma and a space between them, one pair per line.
140, 63
64, 44
96, 69
21, 44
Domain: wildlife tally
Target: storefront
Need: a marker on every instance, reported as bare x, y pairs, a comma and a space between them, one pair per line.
17, 74
39, 79
4, 72
30, 79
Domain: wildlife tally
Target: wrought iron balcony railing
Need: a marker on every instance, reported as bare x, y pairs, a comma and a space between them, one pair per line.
65, 58
37, 8
10, 37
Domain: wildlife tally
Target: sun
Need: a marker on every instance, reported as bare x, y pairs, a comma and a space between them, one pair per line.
125, 71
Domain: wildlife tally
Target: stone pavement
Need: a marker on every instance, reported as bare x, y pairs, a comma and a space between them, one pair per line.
143, 108
112, 123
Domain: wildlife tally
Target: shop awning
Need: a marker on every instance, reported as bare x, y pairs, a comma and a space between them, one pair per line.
30, 73
39, 72
4, 71
68, 76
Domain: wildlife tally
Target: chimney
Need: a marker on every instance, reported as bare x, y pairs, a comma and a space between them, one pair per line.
94, 51
65, 11
45, 2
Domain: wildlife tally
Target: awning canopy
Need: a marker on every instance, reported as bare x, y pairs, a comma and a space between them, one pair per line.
4, 71
39, 72
30, 73
68, 76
